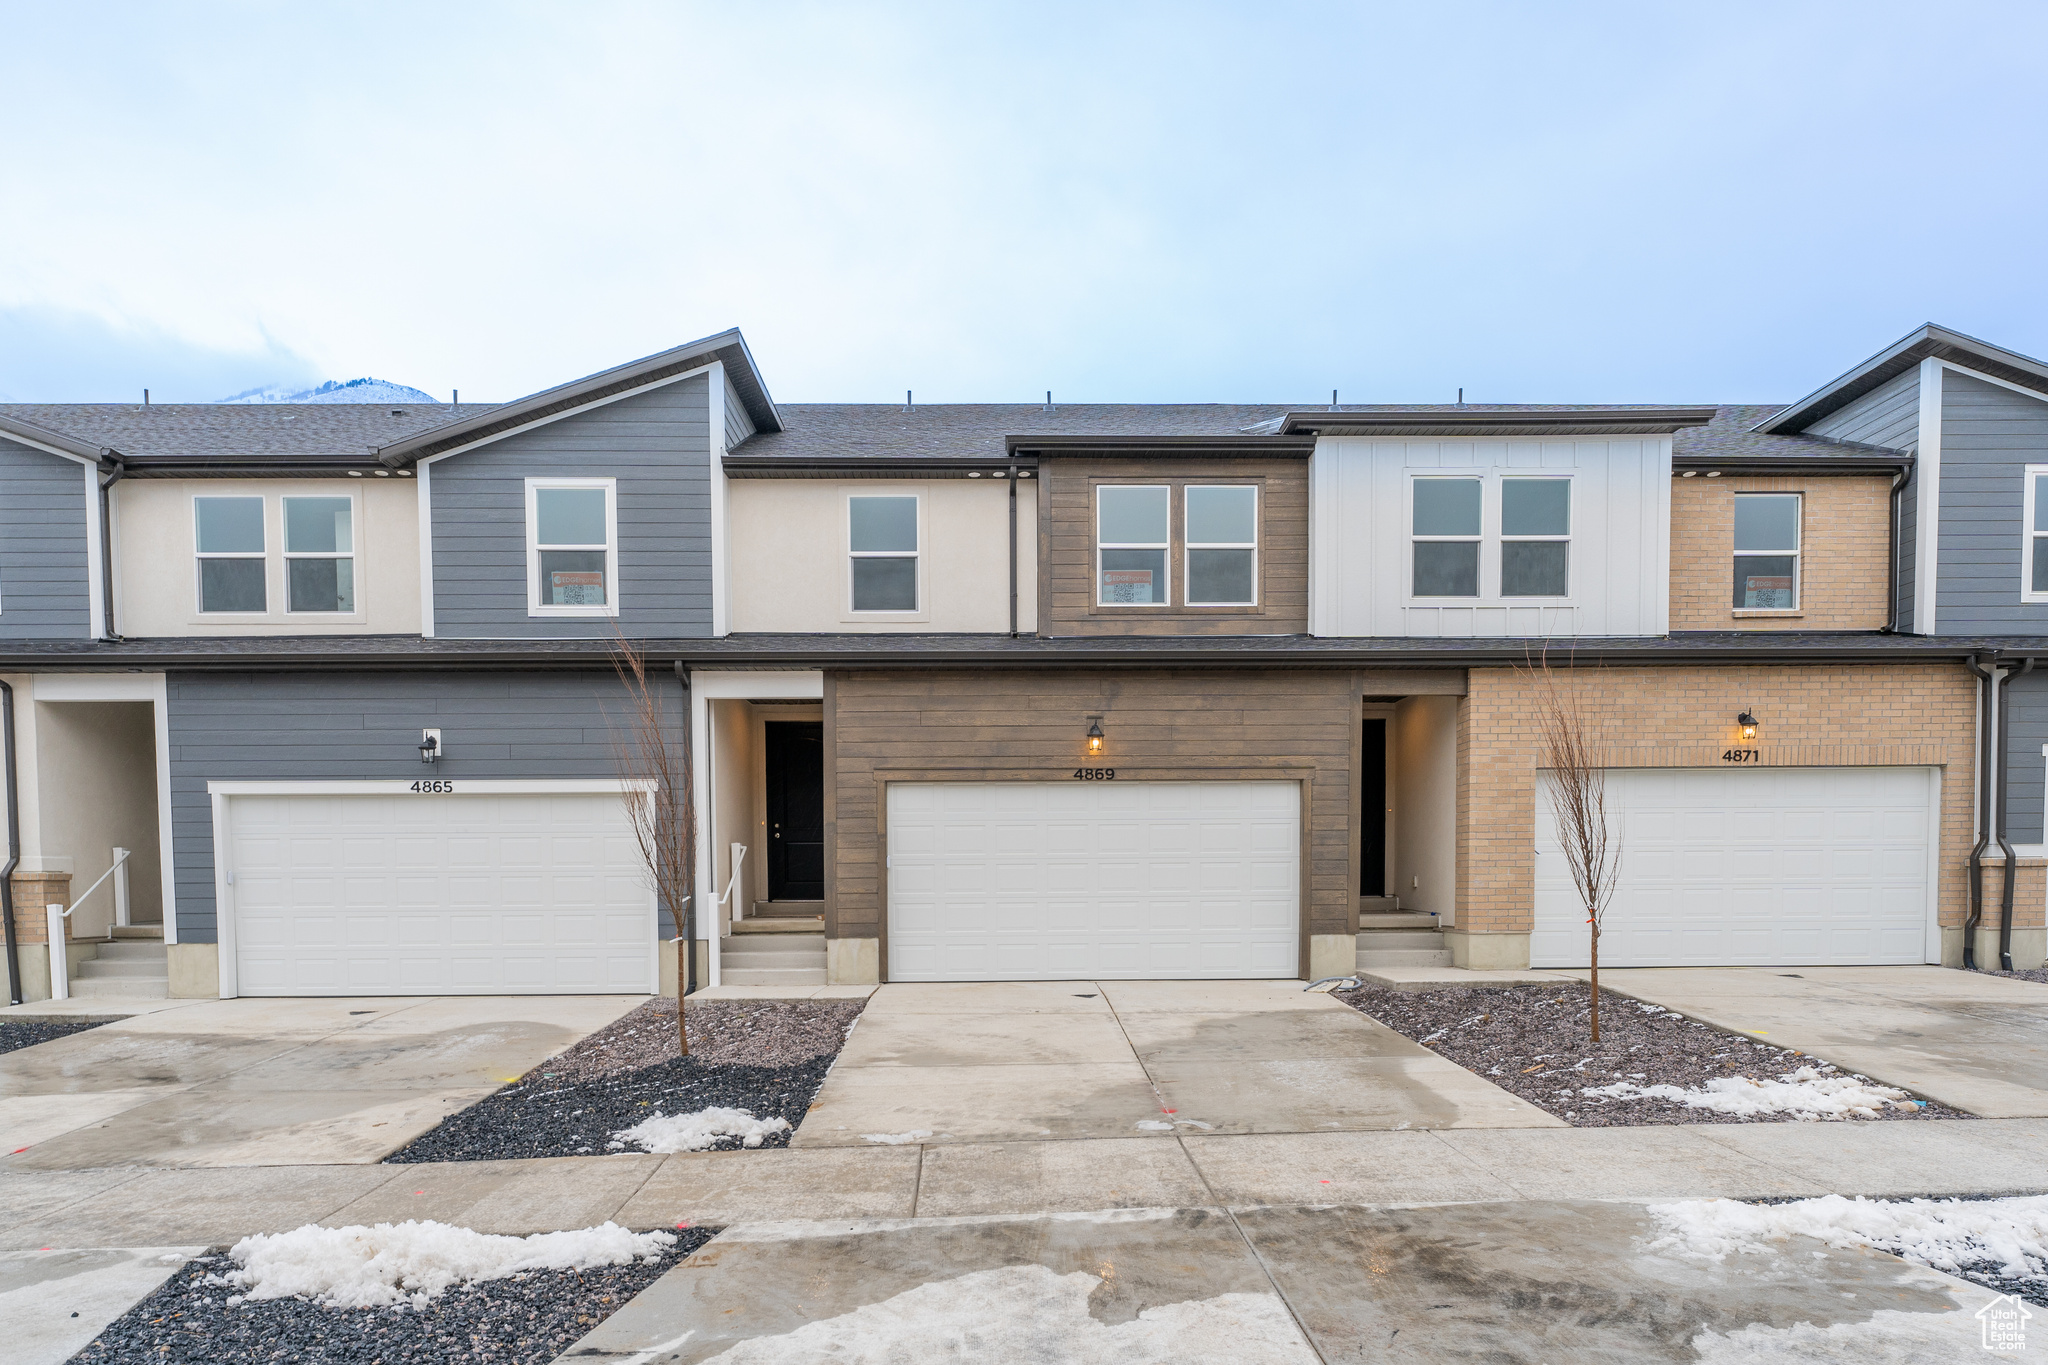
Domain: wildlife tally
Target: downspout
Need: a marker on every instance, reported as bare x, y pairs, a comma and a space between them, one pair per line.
13, 844
2012, 871
1891, 581
1013, 549
1986, 700
115, 469
687, 930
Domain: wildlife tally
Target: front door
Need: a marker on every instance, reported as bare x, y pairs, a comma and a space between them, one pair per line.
796, 810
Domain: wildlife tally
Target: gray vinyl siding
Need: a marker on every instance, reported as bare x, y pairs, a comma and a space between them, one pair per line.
738, 426
657, 445
364, 726
1908, 548
2026, 731
1988, 437
1889, 415
45, 587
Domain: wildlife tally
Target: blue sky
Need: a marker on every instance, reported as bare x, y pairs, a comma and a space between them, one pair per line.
1538, 202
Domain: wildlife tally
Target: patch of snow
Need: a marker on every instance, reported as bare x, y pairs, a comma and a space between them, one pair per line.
1887, 1337
698, 1131
1807, 1093
1026, 1314
1948, 1234
1155, 1125
898, 1139
413, 1262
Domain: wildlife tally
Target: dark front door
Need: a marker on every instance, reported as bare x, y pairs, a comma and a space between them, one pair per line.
1372, 810
796, 810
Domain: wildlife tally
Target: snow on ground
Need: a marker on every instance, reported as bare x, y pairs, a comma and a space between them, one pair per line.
898, 1139
1887, 1337
698, 1131
413, 1262
2008, 1236
1806, 1093
1024, 1314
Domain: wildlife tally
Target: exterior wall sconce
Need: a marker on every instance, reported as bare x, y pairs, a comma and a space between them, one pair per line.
430, 745
1748, 724
1094, 734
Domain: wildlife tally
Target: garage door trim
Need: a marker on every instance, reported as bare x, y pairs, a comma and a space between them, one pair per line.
221, 794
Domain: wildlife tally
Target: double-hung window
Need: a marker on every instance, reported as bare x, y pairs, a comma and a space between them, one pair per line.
319, 554
1222, 545
1767, 551
2034, 561
1446, 524
1133, 538
228, 534
572, 547
881, 538
1535, 537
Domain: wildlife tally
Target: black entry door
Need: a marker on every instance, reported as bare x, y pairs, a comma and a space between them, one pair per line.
796, 810
1372, 808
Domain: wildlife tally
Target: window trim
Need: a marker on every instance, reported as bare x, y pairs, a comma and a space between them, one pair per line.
1437, 599
1165, 599
354, 554
916, 557
1188, 546
534, 605
1502, 539
199, 557
1797, 552
2028, 535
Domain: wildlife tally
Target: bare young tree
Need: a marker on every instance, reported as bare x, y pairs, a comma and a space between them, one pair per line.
1577, 787
651, 752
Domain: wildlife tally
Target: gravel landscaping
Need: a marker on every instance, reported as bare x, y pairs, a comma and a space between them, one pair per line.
764, 1057
526, 1319
20, 1033
2038, 975
1532, 1042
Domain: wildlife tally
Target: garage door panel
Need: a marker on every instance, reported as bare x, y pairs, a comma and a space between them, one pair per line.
1129, 879
1751, 867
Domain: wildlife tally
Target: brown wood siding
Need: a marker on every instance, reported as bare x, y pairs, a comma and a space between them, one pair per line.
1161, 725
1066, 548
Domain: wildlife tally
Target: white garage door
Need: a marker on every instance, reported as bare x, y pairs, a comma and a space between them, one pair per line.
1045, 881
1753, 867
438, 895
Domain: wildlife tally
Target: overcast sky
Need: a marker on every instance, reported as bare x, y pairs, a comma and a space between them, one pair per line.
1619, 202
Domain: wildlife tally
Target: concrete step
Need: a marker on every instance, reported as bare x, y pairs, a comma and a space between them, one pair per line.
121, 988
122, 967
808, 924
777, 951
788, 909
771, 976
1430, 939
1379, 905
1402, 957
1408, 919
141, 931
134, 950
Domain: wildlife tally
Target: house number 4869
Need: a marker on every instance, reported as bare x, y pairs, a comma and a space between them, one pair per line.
1095, 774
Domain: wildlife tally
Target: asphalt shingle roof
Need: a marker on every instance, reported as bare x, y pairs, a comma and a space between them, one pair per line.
283, 431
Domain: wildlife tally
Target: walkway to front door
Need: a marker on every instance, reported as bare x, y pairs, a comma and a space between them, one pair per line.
1037, 1060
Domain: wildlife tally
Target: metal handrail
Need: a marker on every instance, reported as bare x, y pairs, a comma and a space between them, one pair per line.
79, 899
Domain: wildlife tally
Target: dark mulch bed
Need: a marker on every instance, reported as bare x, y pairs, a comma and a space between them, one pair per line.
20, 1033
766, 1057
526, 1319
1532, 1042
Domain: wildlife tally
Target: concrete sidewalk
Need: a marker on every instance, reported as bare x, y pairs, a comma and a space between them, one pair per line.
136, 1207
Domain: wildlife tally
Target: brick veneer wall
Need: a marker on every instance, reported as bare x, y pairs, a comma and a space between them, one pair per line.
1845, 552
1812, 715
32, 892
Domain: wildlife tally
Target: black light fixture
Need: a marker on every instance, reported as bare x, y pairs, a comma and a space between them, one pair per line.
1094, 734
430, 745
1748, 724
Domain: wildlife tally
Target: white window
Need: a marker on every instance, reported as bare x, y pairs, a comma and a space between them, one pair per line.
881, 538
1535, 537
319, 554
1445, 522
2034, 553
572, 547
1133, 538
228, 535
1222, 528
1767, 551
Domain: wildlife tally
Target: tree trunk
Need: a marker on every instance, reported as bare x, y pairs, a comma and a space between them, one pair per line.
682, 989
1596, 980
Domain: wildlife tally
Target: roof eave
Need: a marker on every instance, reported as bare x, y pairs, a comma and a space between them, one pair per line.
29, 433
1924, 342
1498, 422
1083, 443
1874, 461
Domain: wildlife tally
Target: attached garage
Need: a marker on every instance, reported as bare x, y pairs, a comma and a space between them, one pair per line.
1048, 881
478, 888
1754, 867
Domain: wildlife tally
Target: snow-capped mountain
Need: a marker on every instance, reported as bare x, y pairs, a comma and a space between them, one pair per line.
354, 391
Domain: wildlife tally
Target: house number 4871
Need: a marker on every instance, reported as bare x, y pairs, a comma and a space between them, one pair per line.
1739, 756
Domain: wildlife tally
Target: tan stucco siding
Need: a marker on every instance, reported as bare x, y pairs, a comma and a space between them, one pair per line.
1845, 549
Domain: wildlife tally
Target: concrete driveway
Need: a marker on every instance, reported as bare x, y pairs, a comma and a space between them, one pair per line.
1046, 1060
274, 1082
1978, 1043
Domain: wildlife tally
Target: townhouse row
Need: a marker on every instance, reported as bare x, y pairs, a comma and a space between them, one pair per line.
321, 699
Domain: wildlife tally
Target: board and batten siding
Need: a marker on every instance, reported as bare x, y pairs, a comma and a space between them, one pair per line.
1989, 435
656, 444
45, 575
1160, 725
366, 726
1889, 415
1620, 548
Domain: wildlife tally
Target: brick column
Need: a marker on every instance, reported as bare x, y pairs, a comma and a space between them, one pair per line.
33, 891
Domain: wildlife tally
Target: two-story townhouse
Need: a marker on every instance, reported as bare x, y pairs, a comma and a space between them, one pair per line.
975, 691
